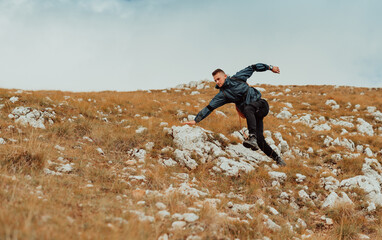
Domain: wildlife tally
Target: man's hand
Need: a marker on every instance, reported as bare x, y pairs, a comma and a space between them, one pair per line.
189, 123
276, 69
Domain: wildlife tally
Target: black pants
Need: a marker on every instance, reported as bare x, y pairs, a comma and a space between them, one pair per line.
255, 113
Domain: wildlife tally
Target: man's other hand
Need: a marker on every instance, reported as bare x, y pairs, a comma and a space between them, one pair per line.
276, 69
190, 123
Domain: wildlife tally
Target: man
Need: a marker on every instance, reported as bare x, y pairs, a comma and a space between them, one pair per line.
248, 100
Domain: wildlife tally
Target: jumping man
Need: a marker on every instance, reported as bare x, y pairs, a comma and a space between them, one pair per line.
248, 101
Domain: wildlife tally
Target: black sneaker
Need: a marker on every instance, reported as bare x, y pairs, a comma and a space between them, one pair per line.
280, 161
251, 142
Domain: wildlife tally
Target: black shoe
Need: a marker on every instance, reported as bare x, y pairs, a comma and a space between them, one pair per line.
251, 142
280, 161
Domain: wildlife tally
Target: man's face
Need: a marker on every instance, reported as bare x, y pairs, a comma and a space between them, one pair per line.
219, 78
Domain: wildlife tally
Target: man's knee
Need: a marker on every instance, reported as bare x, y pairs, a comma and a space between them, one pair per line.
248, 109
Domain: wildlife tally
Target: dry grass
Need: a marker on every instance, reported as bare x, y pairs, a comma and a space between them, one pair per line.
39, 206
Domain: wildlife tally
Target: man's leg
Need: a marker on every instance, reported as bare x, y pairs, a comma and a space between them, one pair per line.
264, 146
250, 115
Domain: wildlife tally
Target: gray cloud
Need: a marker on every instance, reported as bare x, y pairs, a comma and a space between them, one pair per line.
129, 45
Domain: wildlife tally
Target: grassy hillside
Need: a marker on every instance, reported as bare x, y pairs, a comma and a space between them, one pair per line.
94, 169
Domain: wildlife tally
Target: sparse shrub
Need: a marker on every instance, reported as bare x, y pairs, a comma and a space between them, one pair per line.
351, 167
347, 222
82, 128
23, 160
62, 130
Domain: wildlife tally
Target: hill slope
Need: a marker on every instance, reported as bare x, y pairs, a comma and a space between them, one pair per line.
121, 165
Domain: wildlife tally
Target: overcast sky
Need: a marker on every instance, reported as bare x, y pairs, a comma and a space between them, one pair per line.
95, 45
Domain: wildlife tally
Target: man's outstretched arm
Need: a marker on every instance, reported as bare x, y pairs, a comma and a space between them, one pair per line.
218, 101
259, 67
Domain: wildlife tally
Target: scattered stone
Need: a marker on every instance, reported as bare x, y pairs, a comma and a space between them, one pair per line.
14, 99
178, 225
322, 127
65, 168
163, 214
160, 206
285, 114
163, 237
273, 210
100, 151
190, 217
301, 223
141, 129
271, 224
362, 236
365, 127
300, 178
333, 199
279, 176
330, 183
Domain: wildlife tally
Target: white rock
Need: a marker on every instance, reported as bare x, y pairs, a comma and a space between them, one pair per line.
14, 99
59, 148
163, 237
190, 217
272, 225
194, 93
100, 151
322, 127
195, 141
193, 237
302, 194
306, 120
369, 185
333, 199
330, 183
160, 205
232, 167
2, 141
371, 109
301, 223
310, 150
279, 176
371, 207
163, 214
273, 210
377, 116
341, 123
372, 169
169, 162
163, 124
65, 168
149, 146
178, 225
185, 189
50, 172
242, 208
330, 102
141, 129
362, 236
365, 127
285, 114
368, 152
349, 144
177, 216
300, 178
142, 217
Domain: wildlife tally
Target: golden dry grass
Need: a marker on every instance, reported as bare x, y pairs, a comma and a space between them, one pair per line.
35, 205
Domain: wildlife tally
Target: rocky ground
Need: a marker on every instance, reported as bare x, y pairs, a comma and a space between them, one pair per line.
122, 165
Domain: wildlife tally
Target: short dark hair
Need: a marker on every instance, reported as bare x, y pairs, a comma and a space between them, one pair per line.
217, 71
